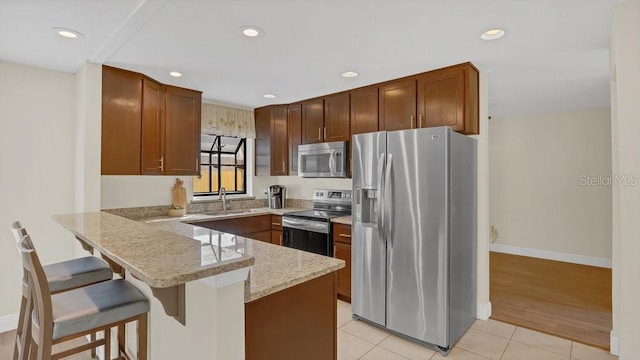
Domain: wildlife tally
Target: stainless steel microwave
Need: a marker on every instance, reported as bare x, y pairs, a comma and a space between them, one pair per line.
324, 160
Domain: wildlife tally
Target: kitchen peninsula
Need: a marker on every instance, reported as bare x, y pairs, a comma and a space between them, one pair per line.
232, 296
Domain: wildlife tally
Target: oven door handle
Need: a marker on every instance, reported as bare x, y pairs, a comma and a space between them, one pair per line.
307, 225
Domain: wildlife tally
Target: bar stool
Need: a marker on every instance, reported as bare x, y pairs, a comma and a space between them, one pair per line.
74, 313
60, 276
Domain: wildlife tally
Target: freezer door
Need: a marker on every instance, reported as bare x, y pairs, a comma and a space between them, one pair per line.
368, 252
416, 191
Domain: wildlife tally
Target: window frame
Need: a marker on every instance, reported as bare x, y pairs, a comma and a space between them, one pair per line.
216, 151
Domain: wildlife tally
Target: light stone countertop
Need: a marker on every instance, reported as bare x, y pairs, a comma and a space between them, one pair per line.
162, 252
276, 267
159, 258
342, 220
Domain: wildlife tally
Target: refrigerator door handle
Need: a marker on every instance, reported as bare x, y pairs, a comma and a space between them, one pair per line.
388, 196
380, 204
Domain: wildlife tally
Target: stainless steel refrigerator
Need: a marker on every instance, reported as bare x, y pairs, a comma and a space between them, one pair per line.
414, 233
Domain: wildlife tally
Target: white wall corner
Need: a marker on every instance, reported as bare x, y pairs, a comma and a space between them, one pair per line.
484, 311
614, 344
8, 322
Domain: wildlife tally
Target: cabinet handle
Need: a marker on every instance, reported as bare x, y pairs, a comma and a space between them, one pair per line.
280, 239
161, 160
320, 133
334, 251
412, 120
325, 132
276, 224
420, 120
283, 166
344, 235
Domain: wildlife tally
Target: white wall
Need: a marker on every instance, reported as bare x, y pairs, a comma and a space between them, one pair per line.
119, 191
625, 80
37, 122
540, 196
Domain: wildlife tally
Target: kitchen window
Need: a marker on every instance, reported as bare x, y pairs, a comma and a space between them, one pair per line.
222, 164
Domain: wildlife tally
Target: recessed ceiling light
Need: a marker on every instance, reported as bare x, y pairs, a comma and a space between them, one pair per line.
251, 31
349, 74
492, 34
175, 74
269, 96
67, 33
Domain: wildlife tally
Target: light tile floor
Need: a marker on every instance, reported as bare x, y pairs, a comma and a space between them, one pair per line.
485, 340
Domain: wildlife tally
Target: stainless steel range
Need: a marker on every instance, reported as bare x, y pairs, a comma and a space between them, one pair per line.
310, 230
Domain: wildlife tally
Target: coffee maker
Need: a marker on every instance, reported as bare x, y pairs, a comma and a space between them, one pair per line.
276, 194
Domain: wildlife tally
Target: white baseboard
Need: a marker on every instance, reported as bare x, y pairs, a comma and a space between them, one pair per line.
552, 255
614, 344
484, 311
8, 322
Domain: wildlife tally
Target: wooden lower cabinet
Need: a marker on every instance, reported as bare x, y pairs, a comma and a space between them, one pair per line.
260, 235
342, 251
276, 237
296, 323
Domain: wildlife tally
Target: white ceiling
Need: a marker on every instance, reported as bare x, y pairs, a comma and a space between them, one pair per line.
554, 57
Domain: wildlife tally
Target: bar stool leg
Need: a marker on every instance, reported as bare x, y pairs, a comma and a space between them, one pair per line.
121, 339
92, 338
107, 344
18, 347
142, 337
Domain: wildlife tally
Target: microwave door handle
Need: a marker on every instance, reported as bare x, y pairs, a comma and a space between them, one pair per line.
332, 162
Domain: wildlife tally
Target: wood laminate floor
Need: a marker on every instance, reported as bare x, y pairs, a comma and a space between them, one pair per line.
562, 299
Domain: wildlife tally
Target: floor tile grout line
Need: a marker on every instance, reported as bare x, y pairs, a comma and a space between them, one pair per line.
539, 348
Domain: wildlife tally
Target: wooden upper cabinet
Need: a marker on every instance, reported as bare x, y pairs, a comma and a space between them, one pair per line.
294, 131
263, 141
364, 110
312, 121
183, 111
397, 107
336, 118
152, 128
279, 148
449, 97
121, 121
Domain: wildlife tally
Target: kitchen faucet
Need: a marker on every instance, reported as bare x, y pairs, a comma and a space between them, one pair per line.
223, 197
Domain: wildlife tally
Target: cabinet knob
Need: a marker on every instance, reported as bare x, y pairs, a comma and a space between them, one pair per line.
161, 160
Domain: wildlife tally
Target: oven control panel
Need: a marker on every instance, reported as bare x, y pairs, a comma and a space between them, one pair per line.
332, 195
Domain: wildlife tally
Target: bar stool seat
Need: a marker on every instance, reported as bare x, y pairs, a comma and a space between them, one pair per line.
94, 306
76, 273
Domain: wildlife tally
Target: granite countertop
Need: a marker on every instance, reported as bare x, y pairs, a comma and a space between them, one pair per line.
162, 252
342, 220
276, 267
159, 258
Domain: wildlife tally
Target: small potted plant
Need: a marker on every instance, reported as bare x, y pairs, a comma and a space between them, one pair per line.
176, 211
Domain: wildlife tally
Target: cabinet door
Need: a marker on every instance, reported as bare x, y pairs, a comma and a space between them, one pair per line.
152, 128
343, 252
441, 98
276, 237
312, 121
279, 148
121, 121
264, 236
398, 105
263, 141
364, 110
294, 126
183, 109
336, 118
